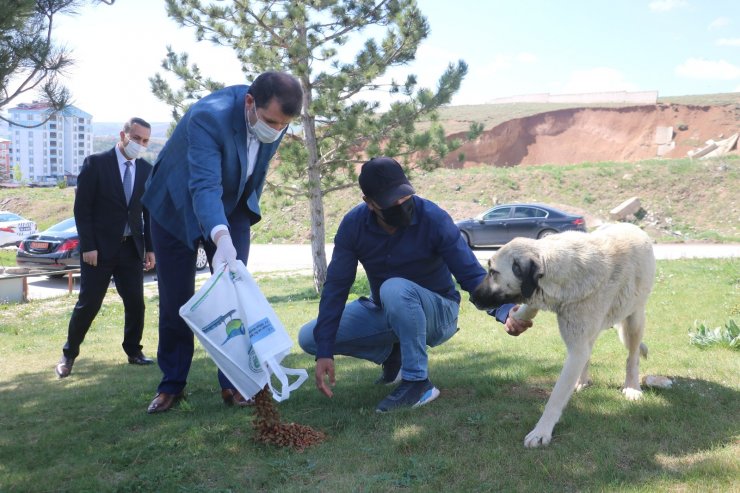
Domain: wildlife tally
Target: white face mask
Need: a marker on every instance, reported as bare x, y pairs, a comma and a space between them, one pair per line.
133, 149
264, 133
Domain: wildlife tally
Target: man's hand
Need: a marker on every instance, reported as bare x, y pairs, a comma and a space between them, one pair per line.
90, 257
324, 368
149, 261
514, 326
225, 251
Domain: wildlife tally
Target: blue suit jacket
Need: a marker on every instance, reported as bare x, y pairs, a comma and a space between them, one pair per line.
201, 172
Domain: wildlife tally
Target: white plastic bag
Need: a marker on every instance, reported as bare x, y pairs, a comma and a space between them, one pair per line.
241, 332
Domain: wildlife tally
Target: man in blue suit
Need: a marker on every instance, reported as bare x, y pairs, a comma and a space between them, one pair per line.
205, 186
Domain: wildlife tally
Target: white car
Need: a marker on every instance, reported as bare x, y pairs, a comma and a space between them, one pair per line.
14, 228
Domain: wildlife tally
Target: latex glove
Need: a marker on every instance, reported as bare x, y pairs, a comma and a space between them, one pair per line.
225, 252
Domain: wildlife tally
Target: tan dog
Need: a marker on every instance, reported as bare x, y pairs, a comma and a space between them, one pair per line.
592, 281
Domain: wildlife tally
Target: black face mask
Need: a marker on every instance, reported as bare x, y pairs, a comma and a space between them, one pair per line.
398, 216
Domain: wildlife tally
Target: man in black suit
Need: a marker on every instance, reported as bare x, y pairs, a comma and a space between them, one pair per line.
114, 240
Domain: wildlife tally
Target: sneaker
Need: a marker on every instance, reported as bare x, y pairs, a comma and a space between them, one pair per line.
391, 367
409, 394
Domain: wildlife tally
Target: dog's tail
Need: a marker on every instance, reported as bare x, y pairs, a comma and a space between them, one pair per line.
643, 350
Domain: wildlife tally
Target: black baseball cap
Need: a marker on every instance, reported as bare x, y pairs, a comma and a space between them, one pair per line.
382, 179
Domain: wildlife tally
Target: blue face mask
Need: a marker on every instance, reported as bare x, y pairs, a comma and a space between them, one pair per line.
398, 216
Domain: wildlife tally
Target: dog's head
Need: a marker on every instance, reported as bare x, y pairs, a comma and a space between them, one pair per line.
513, 275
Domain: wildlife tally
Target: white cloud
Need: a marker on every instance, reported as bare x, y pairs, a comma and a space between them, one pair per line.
525, 57
719, 23
728, 42
667, 5
697, 68
598, 79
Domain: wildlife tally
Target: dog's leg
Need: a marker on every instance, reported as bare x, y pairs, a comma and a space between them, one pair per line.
584, 380
630, 332
579, 353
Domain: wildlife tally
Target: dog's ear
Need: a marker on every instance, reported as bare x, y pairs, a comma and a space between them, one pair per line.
529, 270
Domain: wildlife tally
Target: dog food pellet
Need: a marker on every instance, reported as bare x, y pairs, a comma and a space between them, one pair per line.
269, 429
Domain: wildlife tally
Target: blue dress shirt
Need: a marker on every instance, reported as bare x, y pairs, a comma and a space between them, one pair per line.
428, 252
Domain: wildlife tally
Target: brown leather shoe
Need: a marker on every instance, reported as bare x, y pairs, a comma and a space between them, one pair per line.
232, 397
163, 402
64, 367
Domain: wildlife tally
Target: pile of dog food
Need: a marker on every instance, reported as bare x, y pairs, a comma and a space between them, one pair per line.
269, 429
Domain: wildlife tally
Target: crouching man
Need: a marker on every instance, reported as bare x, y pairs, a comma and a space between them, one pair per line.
410, 249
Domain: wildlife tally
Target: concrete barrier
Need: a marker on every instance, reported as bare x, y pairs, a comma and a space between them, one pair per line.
14, 282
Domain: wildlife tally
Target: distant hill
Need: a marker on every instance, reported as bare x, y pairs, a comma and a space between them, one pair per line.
111, 129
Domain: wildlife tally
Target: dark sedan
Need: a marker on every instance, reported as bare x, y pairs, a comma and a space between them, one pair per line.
58, 248
499, 225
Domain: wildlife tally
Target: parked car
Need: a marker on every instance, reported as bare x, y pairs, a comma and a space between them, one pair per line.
58, 248
499, 225
13, 228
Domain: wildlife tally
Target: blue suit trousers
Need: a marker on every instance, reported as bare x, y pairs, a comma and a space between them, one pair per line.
176, 282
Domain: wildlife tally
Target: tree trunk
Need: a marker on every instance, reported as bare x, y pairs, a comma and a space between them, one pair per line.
318, 230
315, 197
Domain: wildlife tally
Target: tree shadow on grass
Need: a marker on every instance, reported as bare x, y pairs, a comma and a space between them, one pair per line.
602, 440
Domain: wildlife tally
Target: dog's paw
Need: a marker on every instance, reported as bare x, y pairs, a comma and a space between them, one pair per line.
632, 394
537, 438
583, 385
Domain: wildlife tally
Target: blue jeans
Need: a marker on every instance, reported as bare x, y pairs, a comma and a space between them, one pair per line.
410, 315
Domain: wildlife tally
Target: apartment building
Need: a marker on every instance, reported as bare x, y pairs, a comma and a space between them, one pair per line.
52, 151
4, 159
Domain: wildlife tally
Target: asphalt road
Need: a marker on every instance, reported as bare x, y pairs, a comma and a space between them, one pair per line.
276, 258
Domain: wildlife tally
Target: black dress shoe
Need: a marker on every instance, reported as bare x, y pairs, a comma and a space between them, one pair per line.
64, 367
140, 359
163, 402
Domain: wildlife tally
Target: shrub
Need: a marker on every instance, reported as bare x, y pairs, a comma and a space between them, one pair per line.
727, 336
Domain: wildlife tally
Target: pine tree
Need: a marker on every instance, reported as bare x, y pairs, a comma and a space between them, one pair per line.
29, 59
341, 122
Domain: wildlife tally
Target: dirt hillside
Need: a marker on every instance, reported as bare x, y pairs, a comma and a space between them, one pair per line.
576, 135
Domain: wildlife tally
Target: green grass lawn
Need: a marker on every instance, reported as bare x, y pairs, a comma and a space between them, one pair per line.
90, 432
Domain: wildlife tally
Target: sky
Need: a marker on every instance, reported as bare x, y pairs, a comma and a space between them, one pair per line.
677, 47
